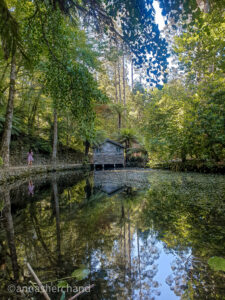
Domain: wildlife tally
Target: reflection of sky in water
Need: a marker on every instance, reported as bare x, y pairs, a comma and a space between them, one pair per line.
164, 270
154, 261
163, 262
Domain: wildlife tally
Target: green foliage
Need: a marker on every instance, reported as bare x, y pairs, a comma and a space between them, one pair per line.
166, 120
217, 263
127, 136
181, 206
62, 284
137, 161
185, 120
1, 162
209, 119
40, 145
184, 123
57, 72
67, 77
81, 273
17, 126
138, 27
200, 47
8, 30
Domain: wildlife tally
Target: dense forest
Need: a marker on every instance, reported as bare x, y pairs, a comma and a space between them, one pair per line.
76, 72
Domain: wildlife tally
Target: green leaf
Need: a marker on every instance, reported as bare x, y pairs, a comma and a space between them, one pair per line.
62, 284
81, 273
217, 263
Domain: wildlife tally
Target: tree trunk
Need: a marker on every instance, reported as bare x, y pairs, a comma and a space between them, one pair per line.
6, 137
115, 85
67, 138
55, 137
124, 87
120, 96
183, 155
87, 148
124, 82
129, 241
119, 121
132, 74
88, 188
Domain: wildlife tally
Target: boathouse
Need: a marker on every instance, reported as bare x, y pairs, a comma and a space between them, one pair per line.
109, 153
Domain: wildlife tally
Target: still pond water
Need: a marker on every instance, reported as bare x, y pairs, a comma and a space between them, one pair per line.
144, 235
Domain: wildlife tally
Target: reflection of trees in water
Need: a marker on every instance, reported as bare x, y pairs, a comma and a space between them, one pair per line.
177, 281
55, 196
39, 243
121, 259
192, 277
146, 265
130, 265
184, 216
9, 228
111, 236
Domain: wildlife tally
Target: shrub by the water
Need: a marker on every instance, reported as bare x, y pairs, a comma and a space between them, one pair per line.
137, 161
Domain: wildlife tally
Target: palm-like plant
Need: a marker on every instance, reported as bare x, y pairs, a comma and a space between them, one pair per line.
127, 136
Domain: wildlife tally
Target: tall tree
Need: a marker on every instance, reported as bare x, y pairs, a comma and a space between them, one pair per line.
6, 138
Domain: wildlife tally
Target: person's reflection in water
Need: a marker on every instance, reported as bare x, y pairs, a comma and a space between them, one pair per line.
31, 188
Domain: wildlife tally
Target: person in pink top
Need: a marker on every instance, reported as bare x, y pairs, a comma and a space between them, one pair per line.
30, 157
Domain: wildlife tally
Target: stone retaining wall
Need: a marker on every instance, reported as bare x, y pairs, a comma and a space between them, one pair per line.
14, 173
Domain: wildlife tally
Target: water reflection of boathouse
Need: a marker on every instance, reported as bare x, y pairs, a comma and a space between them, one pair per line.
112, 182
